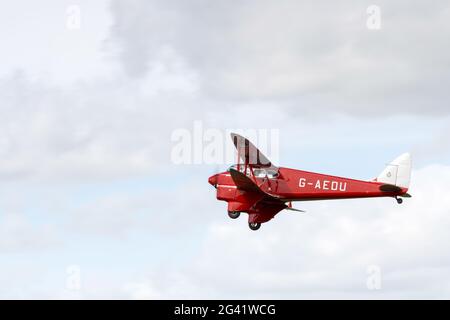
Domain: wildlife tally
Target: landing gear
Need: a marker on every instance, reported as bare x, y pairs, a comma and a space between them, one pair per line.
234, 214
399, 200
254, 226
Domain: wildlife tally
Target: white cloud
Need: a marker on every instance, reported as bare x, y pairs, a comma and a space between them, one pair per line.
141, 291
35, 38
104, 128
308, 58
19, 234
326, 252
74, 124
174, 212
179, 69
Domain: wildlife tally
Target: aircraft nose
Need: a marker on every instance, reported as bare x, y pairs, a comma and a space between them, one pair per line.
213, 180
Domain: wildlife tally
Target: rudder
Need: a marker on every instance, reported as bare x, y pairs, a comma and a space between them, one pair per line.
398, 172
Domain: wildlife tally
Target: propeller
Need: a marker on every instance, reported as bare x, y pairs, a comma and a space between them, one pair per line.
213, 178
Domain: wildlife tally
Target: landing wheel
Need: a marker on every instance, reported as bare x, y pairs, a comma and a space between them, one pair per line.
234, 214
254, 226
399, 200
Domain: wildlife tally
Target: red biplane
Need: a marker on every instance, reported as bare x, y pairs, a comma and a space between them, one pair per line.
256, 186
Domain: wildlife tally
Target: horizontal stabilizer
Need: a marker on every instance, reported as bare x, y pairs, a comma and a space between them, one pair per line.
405, 195
250, 154
296, 210
390, 188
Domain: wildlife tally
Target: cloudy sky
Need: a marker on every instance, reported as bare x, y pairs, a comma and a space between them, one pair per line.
92, 204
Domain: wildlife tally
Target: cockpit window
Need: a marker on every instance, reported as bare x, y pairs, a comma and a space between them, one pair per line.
241, 169
262, 173
258, 172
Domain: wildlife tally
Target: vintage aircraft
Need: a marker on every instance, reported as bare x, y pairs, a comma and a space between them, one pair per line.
258, 187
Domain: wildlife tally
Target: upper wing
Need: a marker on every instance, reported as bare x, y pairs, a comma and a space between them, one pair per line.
249, 153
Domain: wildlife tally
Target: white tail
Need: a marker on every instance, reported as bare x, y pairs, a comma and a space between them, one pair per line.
398, 172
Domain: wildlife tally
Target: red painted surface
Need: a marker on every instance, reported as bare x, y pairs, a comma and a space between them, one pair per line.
263, 197
298, 185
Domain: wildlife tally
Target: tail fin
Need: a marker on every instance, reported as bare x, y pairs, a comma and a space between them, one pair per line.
398, 172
